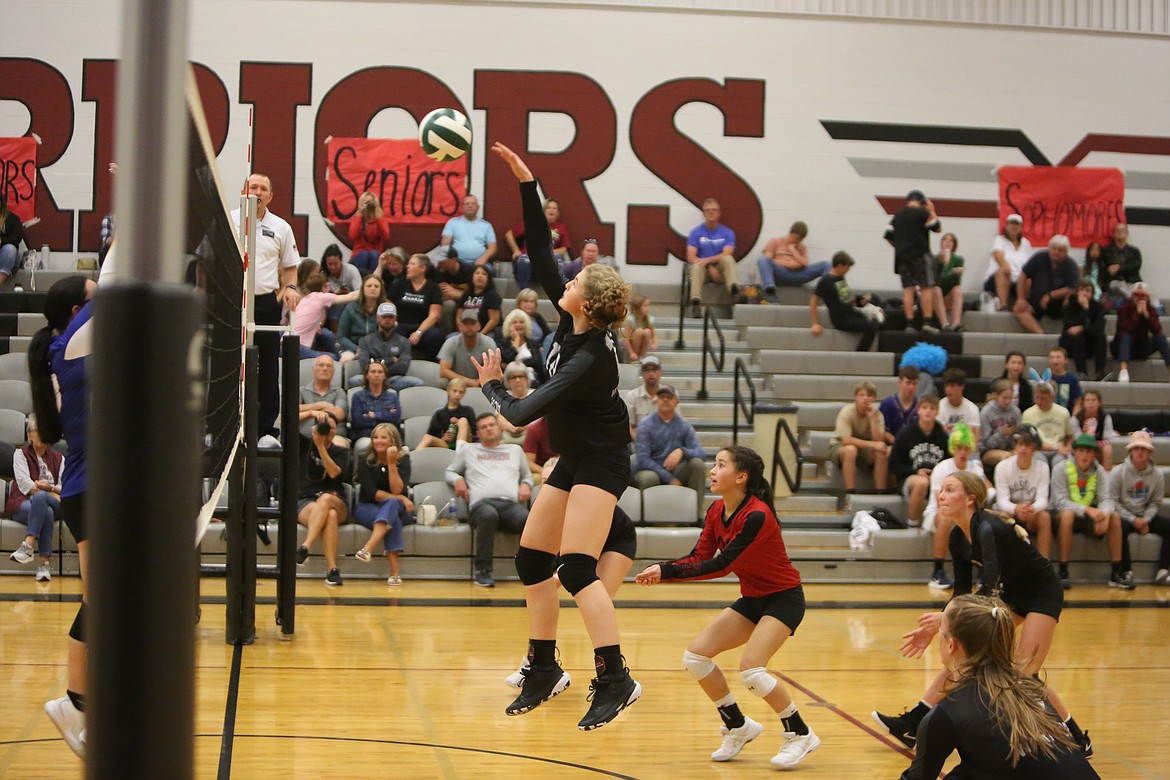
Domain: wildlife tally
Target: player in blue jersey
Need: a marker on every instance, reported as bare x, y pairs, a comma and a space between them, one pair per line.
60, 393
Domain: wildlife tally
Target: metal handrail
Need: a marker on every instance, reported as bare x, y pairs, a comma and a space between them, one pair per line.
778, 462
709, 349
738, 405
685, 286
748, 408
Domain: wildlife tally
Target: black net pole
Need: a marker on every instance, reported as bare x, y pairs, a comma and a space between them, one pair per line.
143, 498
286, 541
234, 569
251, 518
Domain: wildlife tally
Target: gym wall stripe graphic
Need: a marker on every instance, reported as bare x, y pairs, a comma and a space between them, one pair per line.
944, 135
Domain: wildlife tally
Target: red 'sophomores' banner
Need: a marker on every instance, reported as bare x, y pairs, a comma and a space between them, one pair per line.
1081, 203
413, 188
18, 175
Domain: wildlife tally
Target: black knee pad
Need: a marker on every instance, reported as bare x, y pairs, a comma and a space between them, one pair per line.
77, 630
577, 572
534, 566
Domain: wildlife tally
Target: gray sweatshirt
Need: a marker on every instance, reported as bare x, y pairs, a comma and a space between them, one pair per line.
992, 420
1060, 499
1136, 493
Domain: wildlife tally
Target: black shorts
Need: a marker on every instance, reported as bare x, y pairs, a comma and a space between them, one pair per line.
73, 513
787, 606
623, 537
1044, 595
916, 271
1055, 308
1083, 525
607, 469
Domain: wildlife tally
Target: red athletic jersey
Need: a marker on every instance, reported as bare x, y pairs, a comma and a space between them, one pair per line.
749, 544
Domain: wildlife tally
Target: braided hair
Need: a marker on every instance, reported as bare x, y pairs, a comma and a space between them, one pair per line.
606, 295
749, 462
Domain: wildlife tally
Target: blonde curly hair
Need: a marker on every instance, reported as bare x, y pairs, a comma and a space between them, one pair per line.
606, 295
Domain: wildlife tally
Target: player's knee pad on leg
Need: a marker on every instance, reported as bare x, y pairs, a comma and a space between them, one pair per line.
77, 630
577, 572
698, 665
534, 566
758, 681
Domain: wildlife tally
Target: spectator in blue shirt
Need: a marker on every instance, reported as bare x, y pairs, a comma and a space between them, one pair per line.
668, 449
711, 254
474, 239
374, 403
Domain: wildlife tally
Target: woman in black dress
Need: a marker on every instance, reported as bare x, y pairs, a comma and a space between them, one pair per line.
992, 713
588, 424
1010, 567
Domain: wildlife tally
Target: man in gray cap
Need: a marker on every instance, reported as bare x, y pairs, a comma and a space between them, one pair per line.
641, 401
668, 449
455, 355
390, 347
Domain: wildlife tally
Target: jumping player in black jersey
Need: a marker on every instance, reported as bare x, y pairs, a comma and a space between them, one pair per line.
991, 713
742, 535
1010, 566
588, 424
617, 556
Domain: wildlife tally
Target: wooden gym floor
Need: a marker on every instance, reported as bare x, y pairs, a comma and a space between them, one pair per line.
408, 683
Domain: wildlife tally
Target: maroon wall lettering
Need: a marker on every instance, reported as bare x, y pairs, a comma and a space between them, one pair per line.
45, 93
690, 169
508, 97
275, 90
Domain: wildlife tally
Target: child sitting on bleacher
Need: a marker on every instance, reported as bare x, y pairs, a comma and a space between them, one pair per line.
998, 422
1094, 420
859, 437
844, 313
918, 448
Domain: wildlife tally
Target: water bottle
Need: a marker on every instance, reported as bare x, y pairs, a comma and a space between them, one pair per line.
450, 513
44, 262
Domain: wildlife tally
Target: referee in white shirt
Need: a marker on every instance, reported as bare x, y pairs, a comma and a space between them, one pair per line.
276, 285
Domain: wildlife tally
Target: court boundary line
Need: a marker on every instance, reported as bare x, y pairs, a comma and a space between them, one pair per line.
824, 703
447, 601
228, 736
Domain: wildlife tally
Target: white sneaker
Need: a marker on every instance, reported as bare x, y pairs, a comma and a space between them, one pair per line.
268, 441
1162, 577
69, 721
735, 739
22, 554
516, 678
1123, 375
795, 748
43, 573
394, 580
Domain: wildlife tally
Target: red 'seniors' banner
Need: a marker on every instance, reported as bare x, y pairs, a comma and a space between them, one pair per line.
1081, 203
18, 175
413, 188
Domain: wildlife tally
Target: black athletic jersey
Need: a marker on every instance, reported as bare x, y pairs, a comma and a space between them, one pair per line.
963, 722
580, 399
1008, 560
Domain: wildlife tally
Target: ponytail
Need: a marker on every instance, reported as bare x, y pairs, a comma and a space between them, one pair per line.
749, 461
65, 295
984, 627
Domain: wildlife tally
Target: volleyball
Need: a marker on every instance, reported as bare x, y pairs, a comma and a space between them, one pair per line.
444, 134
